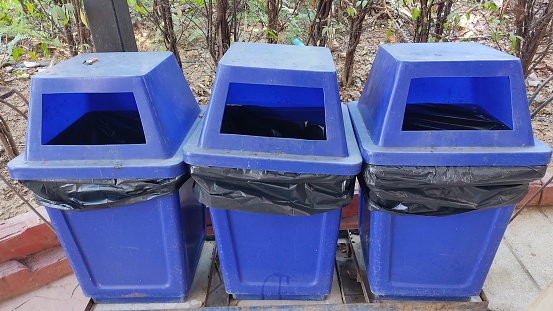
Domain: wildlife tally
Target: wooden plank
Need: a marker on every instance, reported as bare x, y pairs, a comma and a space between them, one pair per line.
110, 24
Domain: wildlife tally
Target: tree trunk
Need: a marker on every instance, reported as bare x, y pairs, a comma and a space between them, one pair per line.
273, 8
355, 30
532, 20
168, 31
223, 28
316, 36
68, 33
82, 31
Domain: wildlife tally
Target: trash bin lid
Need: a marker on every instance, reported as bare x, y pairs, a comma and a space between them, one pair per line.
125, 115
445, 104
276, 107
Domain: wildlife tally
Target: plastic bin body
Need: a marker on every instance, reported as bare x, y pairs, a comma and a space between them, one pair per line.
273, 256
141, 252
276, 257
426, 257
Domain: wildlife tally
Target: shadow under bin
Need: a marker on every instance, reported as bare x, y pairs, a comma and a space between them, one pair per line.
275, 161
445, 134
104, 156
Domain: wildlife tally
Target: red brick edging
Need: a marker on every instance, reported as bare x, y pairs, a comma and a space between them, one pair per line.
25, 235
30, 255
22, 275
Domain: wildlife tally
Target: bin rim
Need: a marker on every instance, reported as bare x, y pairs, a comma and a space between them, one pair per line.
539, 154
308, 164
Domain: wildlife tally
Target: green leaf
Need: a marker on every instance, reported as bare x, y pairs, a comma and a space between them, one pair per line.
388, 32
58, 15
32, 55
495, 36
420, 29
69, 10
83, 18
44, 49
467, 16
11, 45
141, 10
55, 16
16, 53
30, 8
86, 47
513, 39
57, 43
351, 11
490, 5
446, 26
272, 34
415, 13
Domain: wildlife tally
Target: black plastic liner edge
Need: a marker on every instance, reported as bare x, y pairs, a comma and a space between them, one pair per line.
444, 190
269, 192
93, 194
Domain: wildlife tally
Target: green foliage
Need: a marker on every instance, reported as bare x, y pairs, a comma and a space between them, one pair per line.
489, 5
497, 25
17, 52
362, 3
454, 17
415, 13
133, 4
34, 30
44, 49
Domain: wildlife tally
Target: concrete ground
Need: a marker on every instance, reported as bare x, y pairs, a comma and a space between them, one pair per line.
523, 265
522, 268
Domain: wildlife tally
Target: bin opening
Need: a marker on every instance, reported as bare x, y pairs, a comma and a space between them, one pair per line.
91, 119
274, 111
435, 117
458, 103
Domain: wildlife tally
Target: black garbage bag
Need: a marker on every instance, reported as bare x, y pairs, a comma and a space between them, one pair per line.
91, 194
268, 192
444, 190
431, 117
103, 128
302, 123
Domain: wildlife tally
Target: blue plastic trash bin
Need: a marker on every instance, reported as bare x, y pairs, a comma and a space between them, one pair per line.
104, 155
278, 137
441, 114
